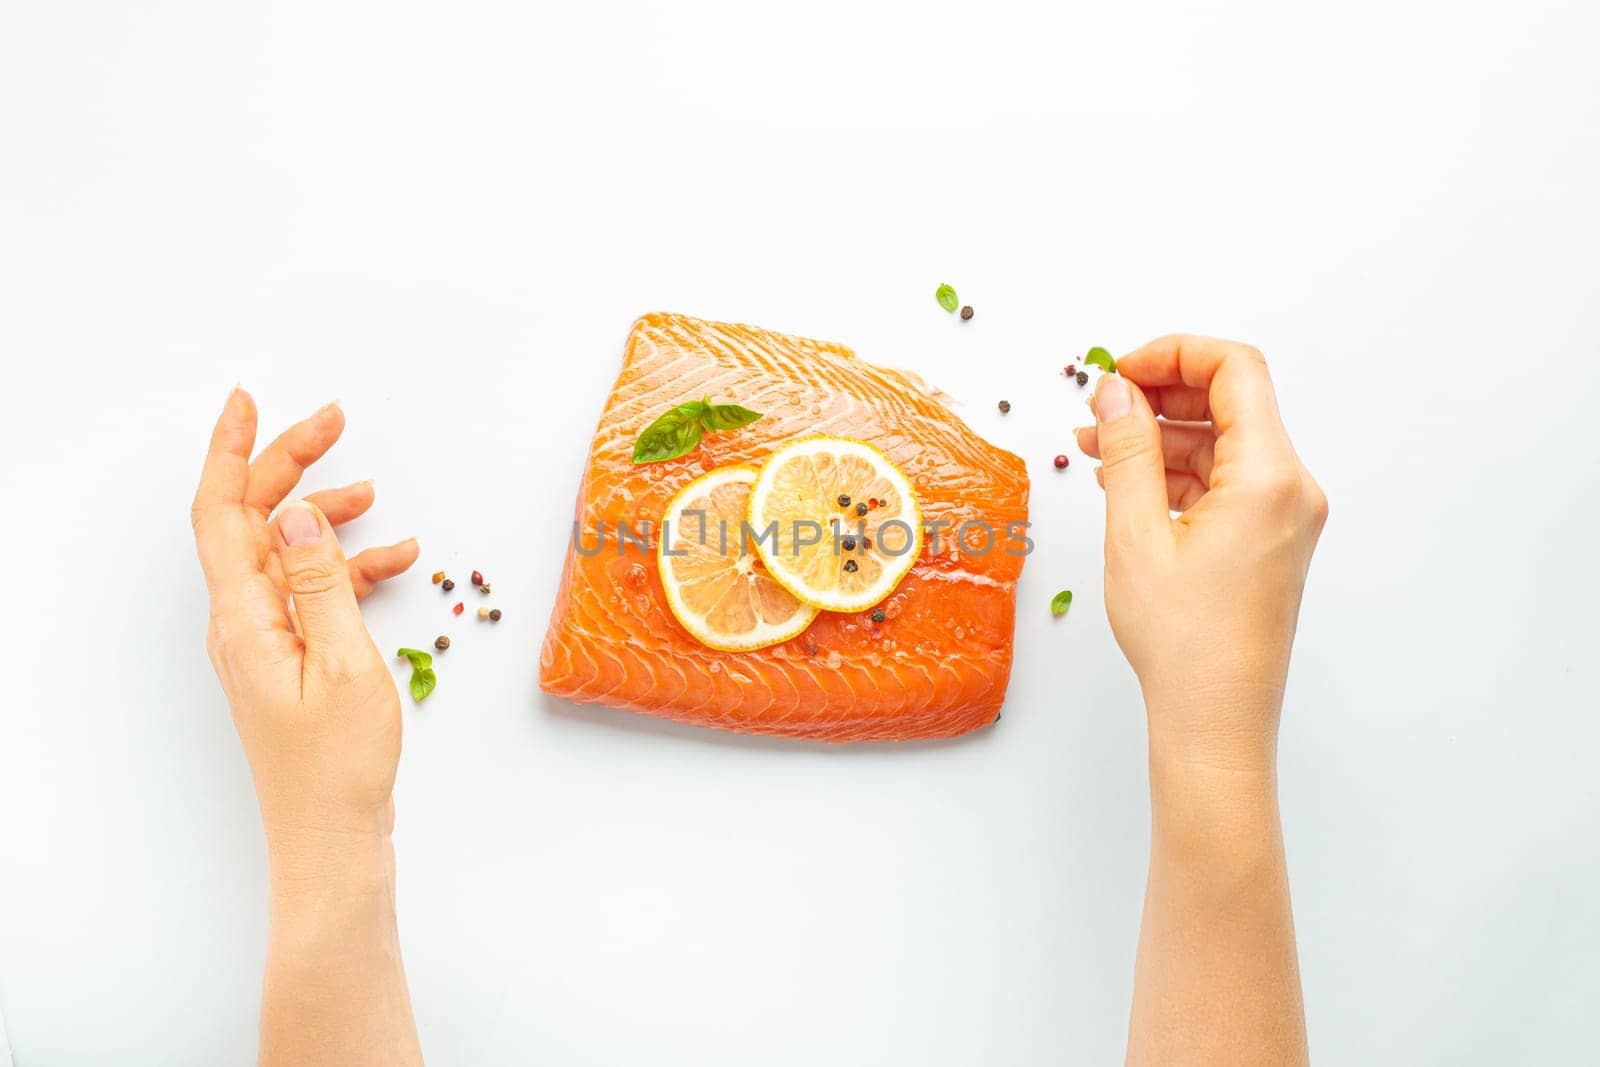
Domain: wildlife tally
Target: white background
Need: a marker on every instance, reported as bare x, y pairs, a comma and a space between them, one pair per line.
448, 215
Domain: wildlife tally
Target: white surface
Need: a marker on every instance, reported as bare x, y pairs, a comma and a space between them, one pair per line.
448, 216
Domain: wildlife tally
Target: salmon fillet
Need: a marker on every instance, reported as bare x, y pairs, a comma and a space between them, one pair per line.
938, 664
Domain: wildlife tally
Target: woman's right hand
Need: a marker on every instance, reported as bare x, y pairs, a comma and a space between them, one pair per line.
1204, 605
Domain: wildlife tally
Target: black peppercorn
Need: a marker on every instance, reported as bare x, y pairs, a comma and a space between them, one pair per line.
966, 312
878, 615
448, 584
1083, 377
1005, 406
862, 509
441, 642
494, 616
848, 544
844, 501
850, 566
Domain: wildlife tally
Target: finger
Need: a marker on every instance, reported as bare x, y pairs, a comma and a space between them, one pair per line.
1180, 402
277, 470
374, 565
1234, 377
221, 529
1130, 453
1184, 490
1185, 446
318, 577
340, 506
344, 504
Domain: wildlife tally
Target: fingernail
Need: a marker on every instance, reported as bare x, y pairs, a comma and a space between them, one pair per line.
299, 525
1112, 399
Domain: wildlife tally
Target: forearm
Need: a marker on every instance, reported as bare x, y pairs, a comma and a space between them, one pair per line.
335, 988
1216, 979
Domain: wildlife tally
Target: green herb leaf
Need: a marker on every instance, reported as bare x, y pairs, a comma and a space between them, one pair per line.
423, 682
672, 435
420, 660
1062, 601
726, 416
1099, 357
947, 298
679, 431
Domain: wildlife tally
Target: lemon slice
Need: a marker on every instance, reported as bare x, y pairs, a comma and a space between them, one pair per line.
715, 583
814, 522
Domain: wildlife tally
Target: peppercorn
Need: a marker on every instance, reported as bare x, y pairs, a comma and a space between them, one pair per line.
494, 616
438, 576
1061, 463
458, 609
448, 585
844, 500
483, 613
441, 642
484, 588
861, 509
1005, 407
477, 577
966, 312
866, 544
848, 544
1083, 378
850, 566
878, 615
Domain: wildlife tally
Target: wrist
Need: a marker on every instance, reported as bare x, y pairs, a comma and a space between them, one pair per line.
1207, 817
314, 867
1224, 725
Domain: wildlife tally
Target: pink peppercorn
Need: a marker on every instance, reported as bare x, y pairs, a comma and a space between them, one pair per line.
1061, 463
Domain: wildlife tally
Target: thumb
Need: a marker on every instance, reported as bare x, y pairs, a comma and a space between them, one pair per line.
318, 577
1131, 465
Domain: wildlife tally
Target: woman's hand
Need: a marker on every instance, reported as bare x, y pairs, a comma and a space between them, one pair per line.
312, 699
1204, 606
319, 718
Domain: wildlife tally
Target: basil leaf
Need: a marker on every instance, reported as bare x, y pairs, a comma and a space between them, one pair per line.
678, 432
672, 435
947, 298
727, 417
423, 682
1099, 357
420, 660
1061, 603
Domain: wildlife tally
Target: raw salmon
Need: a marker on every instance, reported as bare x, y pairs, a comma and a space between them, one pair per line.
936, 666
